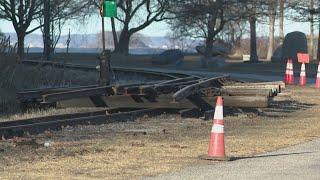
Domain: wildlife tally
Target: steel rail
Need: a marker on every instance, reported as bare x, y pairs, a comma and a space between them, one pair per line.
50, 123
117, 69
193, 88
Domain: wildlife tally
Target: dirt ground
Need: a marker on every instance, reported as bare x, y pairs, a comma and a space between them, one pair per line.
155, 145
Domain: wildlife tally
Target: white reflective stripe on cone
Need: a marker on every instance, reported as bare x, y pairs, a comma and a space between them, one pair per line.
288, 65
318, 75
217, 128
218, 113
303, 74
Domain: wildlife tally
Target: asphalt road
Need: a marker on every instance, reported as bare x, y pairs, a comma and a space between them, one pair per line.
240, 76
301, 162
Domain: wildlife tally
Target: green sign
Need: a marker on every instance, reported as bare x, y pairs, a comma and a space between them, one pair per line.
109, 8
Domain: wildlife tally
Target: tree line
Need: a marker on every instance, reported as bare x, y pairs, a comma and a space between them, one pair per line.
210, 20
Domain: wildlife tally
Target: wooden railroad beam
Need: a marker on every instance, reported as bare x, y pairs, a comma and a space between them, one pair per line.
249, 92
276, 84
247, 101
274, 88
122, 89
165, 101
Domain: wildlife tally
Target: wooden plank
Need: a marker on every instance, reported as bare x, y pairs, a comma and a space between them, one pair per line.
162, 101
249, 92
246, 101
165, 101
278, 83
275, 88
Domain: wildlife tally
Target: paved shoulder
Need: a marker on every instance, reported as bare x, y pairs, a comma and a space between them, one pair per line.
298, 162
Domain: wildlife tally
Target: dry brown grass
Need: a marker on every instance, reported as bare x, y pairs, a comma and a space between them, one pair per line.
15, 77
152, 146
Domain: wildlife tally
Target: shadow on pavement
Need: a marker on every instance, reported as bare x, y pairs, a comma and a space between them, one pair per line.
266, 156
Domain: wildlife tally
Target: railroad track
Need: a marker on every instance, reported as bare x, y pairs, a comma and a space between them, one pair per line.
172, 92
145, 72
19, 128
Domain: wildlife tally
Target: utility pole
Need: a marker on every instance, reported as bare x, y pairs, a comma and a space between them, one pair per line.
46, 31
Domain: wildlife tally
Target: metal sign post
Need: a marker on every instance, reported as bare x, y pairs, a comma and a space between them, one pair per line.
108, 8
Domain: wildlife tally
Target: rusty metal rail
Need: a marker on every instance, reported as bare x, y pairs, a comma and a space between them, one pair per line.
39, 125
153, 94
180, 87
145, 72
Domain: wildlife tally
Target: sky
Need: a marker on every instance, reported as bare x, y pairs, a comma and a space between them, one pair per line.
156, 29
93, 26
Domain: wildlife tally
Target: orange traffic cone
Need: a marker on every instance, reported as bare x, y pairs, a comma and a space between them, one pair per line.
318, 78
216, 143
286, 76
291, 76
216, 149
303, 79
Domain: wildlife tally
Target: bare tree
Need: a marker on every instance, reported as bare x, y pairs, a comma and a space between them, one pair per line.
136, 40
55, 14
281, 19
46, 30
68, 41
202, 19
21, 13
252, 10
134, 16
311, 30
272, 19
307, 12
178, 41
232, 34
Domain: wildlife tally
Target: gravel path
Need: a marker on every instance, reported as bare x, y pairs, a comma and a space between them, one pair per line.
298, 162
